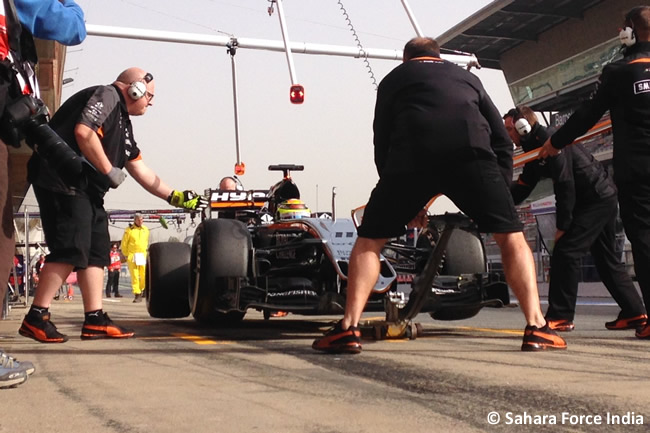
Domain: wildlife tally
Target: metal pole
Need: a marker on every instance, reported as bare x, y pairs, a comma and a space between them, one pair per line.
333, 203
285, 38
232, 50
4, 303
27, 259
414, 23
260, 44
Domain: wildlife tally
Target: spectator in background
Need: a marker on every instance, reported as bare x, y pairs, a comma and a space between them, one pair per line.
135, 242
113, 276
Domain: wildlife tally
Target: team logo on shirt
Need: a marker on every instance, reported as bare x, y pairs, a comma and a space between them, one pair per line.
642, 87
95, 111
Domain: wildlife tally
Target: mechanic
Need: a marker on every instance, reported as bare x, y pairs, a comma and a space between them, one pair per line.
47, 19
624, 90
435, 125
135, 242
586, 213
96, 123
228, 184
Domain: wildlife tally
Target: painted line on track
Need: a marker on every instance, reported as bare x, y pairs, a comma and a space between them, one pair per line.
197, 339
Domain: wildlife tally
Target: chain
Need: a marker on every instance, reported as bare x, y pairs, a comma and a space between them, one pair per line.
359, 45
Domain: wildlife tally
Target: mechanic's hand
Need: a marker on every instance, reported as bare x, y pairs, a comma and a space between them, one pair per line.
115, 177
420, 221
548, 150
187, 200
558, 234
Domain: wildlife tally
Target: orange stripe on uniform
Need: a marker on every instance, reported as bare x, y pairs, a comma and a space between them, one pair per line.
100, 132
426, 58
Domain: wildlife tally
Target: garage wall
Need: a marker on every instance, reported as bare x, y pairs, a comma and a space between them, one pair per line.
600, 23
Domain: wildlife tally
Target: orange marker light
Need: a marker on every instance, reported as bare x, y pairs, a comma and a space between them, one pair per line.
297, 94
240, 169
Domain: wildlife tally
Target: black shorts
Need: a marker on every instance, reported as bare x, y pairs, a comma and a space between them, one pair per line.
76, 229
476, 187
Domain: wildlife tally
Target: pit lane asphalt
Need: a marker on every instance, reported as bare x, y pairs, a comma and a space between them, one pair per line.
262, 376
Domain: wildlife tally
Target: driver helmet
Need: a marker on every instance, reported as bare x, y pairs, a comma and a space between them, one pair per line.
292, 209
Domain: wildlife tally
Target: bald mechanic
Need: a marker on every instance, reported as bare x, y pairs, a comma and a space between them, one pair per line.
435, 125
96, 123
624, 90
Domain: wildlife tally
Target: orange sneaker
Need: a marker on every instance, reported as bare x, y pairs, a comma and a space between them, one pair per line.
561, 325
536, 339
338, 340
635, 322
105, 328
279, 314
41, 329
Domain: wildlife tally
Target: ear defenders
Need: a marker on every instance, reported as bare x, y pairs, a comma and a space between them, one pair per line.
523, 127
627, 36
138, 89
521, 123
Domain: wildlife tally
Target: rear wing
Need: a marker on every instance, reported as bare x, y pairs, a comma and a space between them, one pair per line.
223, 200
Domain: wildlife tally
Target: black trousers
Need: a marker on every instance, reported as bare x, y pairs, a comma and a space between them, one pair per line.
634, 200
112, 282
593, 229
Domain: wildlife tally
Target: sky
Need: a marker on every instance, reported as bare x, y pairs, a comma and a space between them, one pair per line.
188, 136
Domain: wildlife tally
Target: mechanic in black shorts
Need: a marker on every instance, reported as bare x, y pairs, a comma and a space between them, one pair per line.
436, 130
96, 123
624, 90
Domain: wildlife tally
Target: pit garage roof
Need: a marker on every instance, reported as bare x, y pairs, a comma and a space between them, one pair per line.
503, 24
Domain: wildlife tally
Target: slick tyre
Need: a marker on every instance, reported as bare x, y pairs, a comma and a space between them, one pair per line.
220, 255
464, 254
168, 276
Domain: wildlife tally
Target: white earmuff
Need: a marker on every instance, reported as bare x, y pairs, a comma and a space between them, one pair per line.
523, 127
137, 90
627, 36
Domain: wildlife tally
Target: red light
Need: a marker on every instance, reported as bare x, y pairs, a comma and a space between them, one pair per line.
240, 169
297, 94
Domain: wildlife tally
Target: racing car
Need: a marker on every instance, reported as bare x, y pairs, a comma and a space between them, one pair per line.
263, 250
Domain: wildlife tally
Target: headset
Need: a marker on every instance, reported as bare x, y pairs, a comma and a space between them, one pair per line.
521, 124
627, 36
238, 184
138, 89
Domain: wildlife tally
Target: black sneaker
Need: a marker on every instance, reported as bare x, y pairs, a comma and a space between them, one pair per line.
543, 338
41, 329
105, 328
337, 340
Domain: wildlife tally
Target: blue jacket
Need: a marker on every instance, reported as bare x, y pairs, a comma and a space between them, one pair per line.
53, 20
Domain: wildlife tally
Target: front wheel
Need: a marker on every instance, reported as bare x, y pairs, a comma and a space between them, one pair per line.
220, 255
